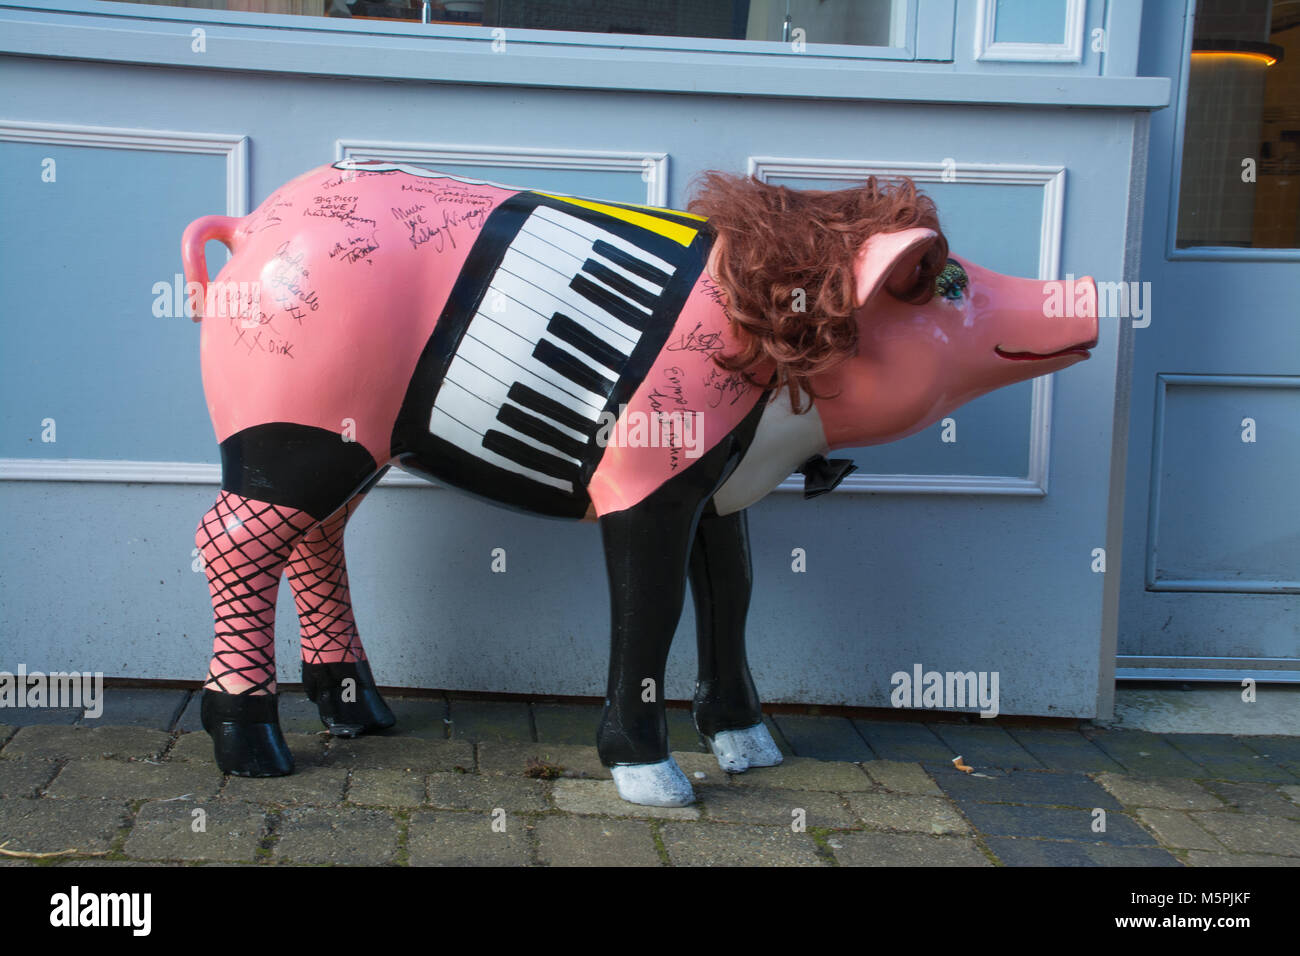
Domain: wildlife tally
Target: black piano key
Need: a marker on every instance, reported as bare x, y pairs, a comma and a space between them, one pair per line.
621, 284
630, 262
567, 330
545, 405
528, 456
572, 368
619, 308
534, 427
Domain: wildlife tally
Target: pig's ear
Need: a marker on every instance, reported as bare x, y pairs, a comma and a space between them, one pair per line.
890, 260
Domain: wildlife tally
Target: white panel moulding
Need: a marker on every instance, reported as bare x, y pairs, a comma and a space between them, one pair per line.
651, 167
1051, 179
233, 148
989, 50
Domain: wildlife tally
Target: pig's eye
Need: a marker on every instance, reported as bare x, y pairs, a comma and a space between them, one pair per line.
951, 282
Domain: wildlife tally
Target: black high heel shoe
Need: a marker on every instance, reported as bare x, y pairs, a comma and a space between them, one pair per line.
365, 711
245, 731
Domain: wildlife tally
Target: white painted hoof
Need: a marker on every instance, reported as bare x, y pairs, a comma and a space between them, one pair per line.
659, 784
738, 750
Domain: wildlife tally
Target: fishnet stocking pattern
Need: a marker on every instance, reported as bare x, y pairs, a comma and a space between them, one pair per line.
245, 544
319, 576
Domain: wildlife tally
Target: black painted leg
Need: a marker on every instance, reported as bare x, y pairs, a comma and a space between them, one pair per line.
721, 582
345, 693
646, 553
245, 731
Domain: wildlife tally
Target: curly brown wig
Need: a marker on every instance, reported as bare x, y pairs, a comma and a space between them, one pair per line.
782, 248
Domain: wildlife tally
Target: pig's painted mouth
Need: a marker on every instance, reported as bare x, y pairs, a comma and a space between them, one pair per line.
1037, 356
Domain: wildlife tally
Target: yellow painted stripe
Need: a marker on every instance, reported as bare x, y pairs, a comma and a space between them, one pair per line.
684, 235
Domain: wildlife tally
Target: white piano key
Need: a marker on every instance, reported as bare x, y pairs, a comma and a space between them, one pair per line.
587, 404
448, 429
582, 310
592, 233
534, 327
551, 245
470, 410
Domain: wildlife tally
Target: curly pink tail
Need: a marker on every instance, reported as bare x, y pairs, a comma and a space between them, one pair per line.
197, 233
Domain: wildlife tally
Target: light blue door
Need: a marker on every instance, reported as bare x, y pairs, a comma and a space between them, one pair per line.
1211, 579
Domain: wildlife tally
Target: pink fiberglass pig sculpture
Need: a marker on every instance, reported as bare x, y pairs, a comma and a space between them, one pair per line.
655, 370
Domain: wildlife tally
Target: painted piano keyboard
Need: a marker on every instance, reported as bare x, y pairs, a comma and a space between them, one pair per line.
567, 324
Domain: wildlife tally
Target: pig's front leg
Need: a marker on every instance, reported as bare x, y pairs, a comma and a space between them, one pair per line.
646, 553
726, 707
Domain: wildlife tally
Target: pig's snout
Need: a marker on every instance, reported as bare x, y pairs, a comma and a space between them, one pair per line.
1045, 320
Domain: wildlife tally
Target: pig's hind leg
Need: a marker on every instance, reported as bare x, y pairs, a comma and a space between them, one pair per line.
335, 671
726, 707
278, 482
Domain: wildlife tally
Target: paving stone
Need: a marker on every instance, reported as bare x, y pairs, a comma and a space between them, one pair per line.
824, 738
682, 734
102, 779
24, 776
903, 741
1167, 792
1203, 858
189, 721
1064, 750
1023, 852
298, 715
308, 749
1254, 798
306, 785
1275, 748
138, 707
37, 716
905, 849
131, 863
467, 839
892, 811
1253, 833
804, 773
1144, 754
702, 768
1029, 786
489, 720
348, 835
165, 831
1226, 758
1292, 792
590, 841
996, 819
573, 724
720, 844
514, 757
986, 746
774, 807
601, 797
400, 753
472, 791
1177, 829
48, 826
387, 788
899, 777
423, 717
77, 743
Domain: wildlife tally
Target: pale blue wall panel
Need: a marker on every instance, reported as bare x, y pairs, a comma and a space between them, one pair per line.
983, 583
82, 343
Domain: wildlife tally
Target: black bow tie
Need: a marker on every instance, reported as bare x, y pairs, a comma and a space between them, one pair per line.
821, 475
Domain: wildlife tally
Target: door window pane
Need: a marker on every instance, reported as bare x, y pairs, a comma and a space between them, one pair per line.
1241, 147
